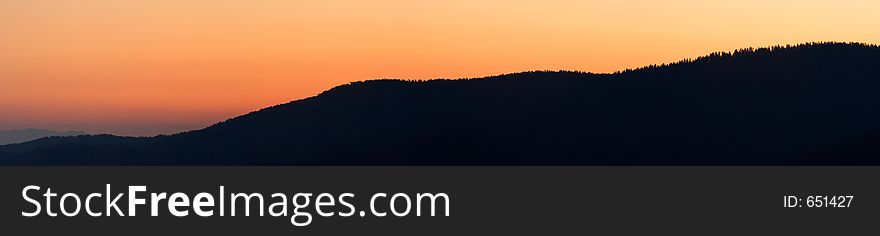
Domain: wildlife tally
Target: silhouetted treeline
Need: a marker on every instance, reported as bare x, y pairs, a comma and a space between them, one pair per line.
809, 104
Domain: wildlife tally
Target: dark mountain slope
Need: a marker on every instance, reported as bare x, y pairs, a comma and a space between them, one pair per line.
812, 104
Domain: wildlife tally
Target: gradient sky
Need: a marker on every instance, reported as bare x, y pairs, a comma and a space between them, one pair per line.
160, 66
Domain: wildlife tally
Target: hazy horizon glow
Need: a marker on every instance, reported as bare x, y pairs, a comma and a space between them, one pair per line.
162, 66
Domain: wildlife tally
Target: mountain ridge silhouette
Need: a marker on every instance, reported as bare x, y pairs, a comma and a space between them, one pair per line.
806, 104
23, 135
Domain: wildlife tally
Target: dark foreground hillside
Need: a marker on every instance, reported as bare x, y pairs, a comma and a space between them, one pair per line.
814, 104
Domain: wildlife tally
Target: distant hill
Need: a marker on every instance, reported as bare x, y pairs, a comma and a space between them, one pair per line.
24, 135
809, 104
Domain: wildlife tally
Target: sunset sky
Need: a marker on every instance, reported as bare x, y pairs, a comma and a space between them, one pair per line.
161, 66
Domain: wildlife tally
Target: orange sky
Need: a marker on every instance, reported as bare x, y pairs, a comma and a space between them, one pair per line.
160, 66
